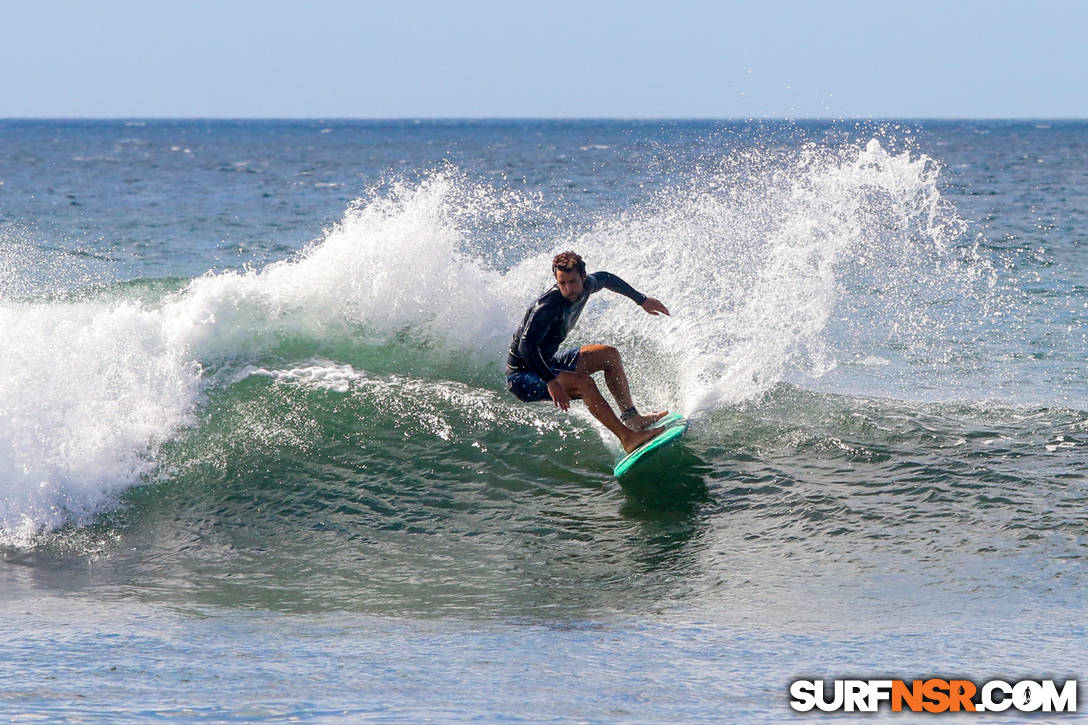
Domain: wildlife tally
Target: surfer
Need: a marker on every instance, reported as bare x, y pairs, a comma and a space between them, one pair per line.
534, 370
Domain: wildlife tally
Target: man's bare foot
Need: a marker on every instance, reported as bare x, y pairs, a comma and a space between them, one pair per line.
639, 422
638, 437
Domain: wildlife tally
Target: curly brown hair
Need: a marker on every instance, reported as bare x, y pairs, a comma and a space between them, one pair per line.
568, 262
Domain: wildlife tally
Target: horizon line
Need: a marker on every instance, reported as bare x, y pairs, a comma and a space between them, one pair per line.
730, 119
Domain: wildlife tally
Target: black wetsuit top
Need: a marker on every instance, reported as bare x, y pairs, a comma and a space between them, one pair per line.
550, 318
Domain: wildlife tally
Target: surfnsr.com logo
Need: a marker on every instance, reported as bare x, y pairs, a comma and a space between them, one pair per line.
933, 695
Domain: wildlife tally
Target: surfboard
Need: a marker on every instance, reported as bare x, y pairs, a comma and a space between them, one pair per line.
675, 426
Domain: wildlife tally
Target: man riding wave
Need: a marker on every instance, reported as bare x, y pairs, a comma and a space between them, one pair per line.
535, 370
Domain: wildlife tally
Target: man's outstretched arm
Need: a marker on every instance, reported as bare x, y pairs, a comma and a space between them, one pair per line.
612, 282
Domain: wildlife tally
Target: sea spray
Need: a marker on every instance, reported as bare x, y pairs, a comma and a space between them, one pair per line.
30, 271
758, 258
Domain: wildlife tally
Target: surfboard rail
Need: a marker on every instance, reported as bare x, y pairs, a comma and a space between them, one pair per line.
675, 427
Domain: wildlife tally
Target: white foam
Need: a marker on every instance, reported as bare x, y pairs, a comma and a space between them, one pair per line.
318, 374
422, 405
90, 390
872, 361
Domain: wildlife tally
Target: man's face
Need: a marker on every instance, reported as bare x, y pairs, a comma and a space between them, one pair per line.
570, 284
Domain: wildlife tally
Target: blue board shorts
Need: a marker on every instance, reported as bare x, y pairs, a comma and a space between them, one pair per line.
530, 387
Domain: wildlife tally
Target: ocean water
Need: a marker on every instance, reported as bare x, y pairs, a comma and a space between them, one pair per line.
257, 463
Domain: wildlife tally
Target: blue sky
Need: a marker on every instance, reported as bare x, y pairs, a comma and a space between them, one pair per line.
623, 59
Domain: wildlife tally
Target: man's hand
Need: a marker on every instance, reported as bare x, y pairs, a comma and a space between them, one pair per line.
558, 393
654, 306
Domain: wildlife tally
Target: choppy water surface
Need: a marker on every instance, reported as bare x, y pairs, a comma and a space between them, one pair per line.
257, 461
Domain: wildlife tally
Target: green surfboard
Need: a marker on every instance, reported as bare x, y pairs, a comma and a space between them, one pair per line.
675, 426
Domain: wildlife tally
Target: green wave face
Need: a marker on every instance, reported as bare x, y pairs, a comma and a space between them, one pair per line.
324, 488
